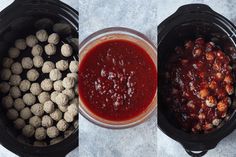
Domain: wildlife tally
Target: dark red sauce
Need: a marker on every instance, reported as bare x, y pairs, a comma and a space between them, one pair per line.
117, 80
201, 83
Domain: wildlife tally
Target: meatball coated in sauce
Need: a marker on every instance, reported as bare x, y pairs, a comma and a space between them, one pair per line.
200, 84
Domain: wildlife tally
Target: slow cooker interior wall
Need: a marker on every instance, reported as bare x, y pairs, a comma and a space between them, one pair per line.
177, 37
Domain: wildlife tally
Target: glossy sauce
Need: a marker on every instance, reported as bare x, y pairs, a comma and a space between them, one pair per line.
117, 80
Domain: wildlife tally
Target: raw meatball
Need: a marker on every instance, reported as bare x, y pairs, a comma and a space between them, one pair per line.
48, 66
28, 131
42, 35
12, 114
16, 68
50, 49
31, 40
43, 97
35, 89
40, 144
48, 107
4, 87
32, 75
15, 92
62, 125
46, 84
68, 82
55, 74
52, 132
19, 123
38, 61
27, 63
5, 74
70, 93
29, 99
37, 50
40, 133
74, 66
7, 101
47, 121
20, 44
15, 80
68, 117
56, 115
24, 85
56, 140
35, 121
7, 62
62, 65
62, 99
54, 95
66, 50
73, 109
57, 85
13, 52
19, 104
54, 38
37, 109
62, 108
74, 75
25, 113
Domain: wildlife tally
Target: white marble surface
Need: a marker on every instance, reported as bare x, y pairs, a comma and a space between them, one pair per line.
3, 151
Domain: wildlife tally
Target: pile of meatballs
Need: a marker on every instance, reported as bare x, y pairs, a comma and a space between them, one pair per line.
39, 88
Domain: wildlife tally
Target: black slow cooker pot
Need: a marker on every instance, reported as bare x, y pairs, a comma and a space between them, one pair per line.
18, 20
190, 22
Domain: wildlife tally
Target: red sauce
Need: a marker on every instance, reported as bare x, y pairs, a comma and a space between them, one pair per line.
117, 80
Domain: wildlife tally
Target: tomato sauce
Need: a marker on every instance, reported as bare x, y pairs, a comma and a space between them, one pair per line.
117, 80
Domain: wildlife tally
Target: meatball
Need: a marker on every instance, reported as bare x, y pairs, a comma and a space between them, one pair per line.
27, 63
16, 68
13, 52
52, 132
68, 117
66, 50
43, 97
50, 49
25, 113
55, 74
37, 50
38, 61
31, 40
7, 62
42, 35
56, 115
62, 125
12, 114
20, 44
63, 108
35, 89
54, 95
48, 66
62, 65
24, 85
48, 107
73, 109
70, 93
68, 82
73, 75
29, 99
5, 74
7, 101
15, 92
32, 75
47, 121
28, 131
37, 109
15, 80
54, 38
19, 104
40, 133
74, 65
35, 121
4, 87
62, 99
57, 85
19, 123
46, 84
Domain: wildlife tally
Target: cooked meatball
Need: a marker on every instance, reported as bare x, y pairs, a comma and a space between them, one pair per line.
28, 131
27, 63
37, 50
15, 92
68, 82
25, 113
19, 104
74, 65
35, 89
46, 84
73, 75
48, 66
62, 99
38, 61
37, 109
47, 121
29, 99
62, 65
42, 35
20, 44
13, 52
62, 108
50, 49
68, 117
48, 107
12, 114
54, 38
31, 40
40, 133
4, 87
52, 132
70, 93
73, 109
56, 115
24, 85
5, 74
19, 123
7, 62
54, 95
16, 68
7, 101
55, 74
35, 121
62, 125
32, 75
66, 50
43, 97
57, 85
